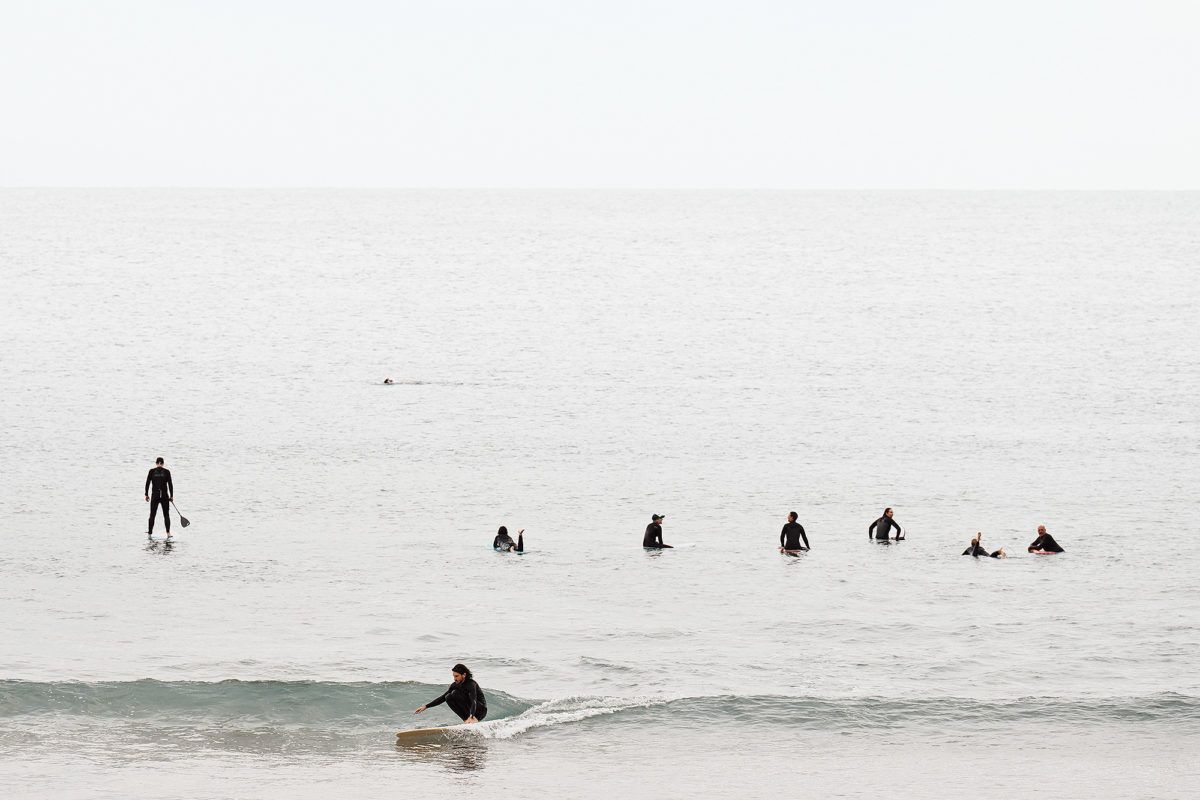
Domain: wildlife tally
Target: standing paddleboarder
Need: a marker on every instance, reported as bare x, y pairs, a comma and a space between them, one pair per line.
162, 494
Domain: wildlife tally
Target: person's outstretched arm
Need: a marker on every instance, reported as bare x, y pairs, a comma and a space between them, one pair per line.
433, 703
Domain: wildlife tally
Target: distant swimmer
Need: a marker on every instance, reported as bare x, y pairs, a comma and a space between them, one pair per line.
504, 543
790, 536
388, 380
163, 493
976, 549
881, 527
1044, 544
464, 696
653, 537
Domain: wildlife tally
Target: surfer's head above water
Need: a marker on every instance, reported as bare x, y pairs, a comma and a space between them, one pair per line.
792, 516
503, 531
158, 461
887, 512
460, 672
657, 517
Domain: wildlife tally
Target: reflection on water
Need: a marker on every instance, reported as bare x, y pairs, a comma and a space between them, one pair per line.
160, 546
460, 754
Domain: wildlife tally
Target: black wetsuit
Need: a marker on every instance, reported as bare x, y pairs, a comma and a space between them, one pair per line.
790, 536
1045, 542
504, 543
162, 493
882, 526
653, 537
465, 699
976, 549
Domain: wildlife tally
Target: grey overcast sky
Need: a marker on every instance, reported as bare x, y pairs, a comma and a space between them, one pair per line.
752, 93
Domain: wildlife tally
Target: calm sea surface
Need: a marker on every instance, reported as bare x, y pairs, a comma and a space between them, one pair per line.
570, 363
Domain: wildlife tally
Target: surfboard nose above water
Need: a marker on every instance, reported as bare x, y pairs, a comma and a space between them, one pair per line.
431, 734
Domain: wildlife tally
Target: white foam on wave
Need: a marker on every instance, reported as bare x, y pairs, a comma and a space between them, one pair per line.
558, 712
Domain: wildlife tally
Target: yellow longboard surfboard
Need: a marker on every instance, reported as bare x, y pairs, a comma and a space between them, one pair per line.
429, 733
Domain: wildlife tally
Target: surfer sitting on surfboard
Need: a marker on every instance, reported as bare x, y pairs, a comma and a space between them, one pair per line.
1044, 544
653, 536
790, 536
464, 696
504, 543
880, 527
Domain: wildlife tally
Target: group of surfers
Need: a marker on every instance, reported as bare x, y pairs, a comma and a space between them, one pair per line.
1043, 545
160, 492
793, 539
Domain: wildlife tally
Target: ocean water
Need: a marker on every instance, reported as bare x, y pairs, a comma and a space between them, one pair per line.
569, 363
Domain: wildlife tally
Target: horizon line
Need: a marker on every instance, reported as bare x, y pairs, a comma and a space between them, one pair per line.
340, 187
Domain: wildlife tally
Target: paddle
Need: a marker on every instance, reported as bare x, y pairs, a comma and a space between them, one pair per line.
182, 519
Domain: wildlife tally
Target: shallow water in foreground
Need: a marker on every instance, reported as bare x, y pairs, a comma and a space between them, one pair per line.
569, 363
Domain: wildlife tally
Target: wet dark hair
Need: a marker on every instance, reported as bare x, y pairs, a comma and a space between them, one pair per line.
158, 460
792, 516
462, 670
502, 532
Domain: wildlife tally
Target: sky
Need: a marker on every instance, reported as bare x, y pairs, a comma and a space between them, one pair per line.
531, 93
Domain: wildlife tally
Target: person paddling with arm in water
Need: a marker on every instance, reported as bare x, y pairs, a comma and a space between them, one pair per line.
790, 536
879, 528
464, 696
164, 494
653, 536
504, 543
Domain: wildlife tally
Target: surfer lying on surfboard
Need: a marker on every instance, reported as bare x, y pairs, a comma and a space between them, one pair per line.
976, 549
464, 696
504, 543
